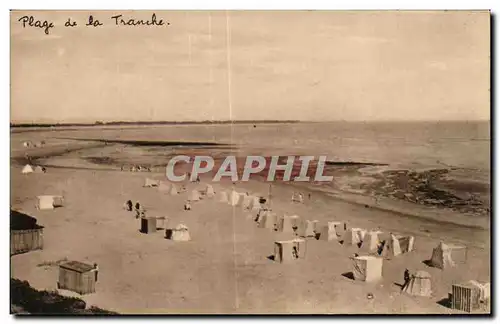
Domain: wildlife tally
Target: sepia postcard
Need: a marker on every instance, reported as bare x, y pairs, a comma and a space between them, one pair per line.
250, 162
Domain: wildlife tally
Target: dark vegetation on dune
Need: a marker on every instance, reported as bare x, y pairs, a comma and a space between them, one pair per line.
25, 299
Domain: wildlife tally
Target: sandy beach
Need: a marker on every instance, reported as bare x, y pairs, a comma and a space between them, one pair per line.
225, 267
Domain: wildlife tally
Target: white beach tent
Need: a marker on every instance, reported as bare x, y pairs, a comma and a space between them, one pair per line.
397, 244
330, 231
371, 241
49, 202
448, 255
179, 233
234, 198
151, 183
222, 197
173, 190
419, 284
305, 228
164, 186
354, 236
209, 191
246, 201
40, 169
255, 203
27, 169
194, 195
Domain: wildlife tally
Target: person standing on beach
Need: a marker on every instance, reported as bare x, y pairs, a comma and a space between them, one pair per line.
406, 277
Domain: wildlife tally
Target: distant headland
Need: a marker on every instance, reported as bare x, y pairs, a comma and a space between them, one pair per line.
132, 123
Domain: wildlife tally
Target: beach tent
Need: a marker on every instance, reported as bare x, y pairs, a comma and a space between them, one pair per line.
305, 228
194, 195
419, 284
173, 190
164, 186
354, 236
234, 198
49, 202
247, 201
367, 268
330, 231
268, 220
222, 197
27, 169
179, 233
151, 183
397, 244
448, 255
40, 169
254, 203
371, 241
391, 247
209, 191
287, 223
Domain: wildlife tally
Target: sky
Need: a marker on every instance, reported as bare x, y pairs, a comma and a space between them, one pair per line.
241, 65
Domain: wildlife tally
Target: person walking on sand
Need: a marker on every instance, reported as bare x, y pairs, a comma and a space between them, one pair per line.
406, 277
129, 205
95, 270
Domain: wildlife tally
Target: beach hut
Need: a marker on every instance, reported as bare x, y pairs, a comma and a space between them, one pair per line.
148, 225
419, 284
49, 202
367, 268
285, 251
78, 277
25, 234
465, 297
27, 169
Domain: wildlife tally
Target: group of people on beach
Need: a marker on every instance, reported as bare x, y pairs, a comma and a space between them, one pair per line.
136, 168
139, 210
298, 197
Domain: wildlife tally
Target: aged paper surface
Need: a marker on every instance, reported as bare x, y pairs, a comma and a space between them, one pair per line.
250, 162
